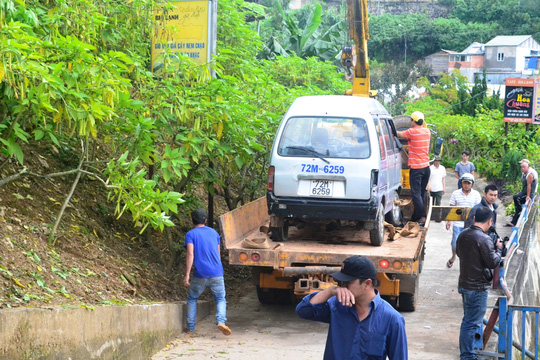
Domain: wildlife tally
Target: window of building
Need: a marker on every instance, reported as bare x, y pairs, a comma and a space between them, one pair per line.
500, 56
458, 58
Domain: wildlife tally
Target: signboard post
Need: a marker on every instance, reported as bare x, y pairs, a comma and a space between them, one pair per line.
187, 29
519, 100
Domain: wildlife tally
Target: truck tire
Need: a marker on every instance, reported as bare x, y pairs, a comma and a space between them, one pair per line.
407, 301
395, 216
280, 234
269, 296
376, 235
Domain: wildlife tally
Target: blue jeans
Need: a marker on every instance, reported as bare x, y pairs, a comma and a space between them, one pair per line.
196, 288
474, 309
456, 230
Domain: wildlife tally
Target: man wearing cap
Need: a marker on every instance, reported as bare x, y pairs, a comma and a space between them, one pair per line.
529, 181
362, 324
203, 252
418, 137
437, 185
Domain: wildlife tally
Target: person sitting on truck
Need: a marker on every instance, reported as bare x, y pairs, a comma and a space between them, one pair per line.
418, 138
202, 244
478, 254
362, 324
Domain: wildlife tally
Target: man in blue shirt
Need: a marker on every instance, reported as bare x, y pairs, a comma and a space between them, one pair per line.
362, 325
202, 245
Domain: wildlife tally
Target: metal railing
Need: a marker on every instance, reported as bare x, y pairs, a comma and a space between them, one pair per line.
504, 310
506, 329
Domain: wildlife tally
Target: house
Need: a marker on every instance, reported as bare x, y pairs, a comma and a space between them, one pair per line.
439, 62
509, 57
470, 62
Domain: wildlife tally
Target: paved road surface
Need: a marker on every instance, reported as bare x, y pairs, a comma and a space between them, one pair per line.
265, 332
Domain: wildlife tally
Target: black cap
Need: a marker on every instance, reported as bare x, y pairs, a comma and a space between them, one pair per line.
356, 267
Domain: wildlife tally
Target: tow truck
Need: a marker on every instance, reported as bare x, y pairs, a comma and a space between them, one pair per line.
289, 264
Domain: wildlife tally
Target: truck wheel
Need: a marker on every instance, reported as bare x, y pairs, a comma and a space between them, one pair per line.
280, 234
395, 216
407, 301
269, 296
266, 296
376, 235
392, 300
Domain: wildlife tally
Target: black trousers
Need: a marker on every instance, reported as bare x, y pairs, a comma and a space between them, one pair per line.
519, 199
419, 179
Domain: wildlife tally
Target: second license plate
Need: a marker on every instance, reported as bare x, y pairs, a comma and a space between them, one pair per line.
321, 188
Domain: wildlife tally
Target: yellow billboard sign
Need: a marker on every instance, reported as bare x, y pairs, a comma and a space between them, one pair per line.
181, 31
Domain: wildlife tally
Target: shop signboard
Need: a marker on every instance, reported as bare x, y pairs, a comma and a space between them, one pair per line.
519, 100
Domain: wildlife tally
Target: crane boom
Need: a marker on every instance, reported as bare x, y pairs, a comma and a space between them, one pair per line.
356, 57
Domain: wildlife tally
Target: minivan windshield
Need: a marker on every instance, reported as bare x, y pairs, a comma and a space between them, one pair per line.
325, 137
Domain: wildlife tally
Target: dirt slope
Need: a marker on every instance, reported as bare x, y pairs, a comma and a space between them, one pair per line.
96, 259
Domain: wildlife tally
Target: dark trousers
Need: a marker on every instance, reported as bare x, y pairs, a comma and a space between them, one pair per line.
519, 200
437, 197
419, 179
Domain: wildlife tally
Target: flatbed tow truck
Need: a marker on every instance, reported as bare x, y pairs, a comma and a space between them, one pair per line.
303, 263
303, 260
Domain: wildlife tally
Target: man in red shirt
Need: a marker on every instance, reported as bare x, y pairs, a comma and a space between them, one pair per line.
418, 137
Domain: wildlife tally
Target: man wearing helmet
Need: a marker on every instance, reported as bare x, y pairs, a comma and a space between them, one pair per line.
464, 197
418, 137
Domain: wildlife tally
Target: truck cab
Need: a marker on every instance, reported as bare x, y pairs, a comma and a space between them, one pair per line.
335, 158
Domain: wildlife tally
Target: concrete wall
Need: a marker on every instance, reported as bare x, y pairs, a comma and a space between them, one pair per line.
108, 332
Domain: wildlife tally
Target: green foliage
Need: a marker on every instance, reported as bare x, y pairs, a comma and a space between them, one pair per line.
313, 31
511, 170
483, 136
78, 70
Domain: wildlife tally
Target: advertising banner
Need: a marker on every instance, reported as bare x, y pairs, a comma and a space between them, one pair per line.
519, 100
186, 29
536, 119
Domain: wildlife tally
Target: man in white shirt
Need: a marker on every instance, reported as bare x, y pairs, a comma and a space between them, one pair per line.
467, 197
437, 185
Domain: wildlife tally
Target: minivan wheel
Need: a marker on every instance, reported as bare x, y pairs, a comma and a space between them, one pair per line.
376, 235
280, 234
395, 216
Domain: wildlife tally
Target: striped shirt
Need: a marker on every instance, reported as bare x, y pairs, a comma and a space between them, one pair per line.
458, 198
418, 137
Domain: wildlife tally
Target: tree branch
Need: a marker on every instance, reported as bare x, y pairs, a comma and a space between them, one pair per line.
68, 197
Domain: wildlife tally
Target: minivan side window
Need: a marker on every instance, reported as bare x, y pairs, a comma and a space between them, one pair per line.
387, 135
380, 136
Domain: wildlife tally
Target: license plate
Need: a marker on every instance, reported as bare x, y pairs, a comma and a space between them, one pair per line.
321, 188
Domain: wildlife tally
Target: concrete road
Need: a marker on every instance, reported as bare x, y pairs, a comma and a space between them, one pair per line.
265, 332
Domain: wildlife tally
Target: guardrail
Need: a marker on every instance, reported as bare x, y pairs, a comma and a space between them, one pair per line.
504, 310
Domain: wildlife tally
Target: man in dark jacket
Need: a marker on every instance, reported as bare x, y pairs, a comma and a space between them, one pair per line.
477, 256
489, 199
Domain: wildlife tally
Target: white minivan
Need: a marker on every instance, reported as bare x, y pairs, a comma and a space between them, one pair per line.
335, 158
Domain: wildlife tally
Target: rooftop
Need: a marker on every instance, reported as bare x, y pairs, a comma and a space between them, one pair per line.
504, 40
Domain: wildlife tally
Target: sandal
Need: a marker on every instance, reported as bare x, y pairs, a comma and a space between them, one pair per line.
449, 264
509, 225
